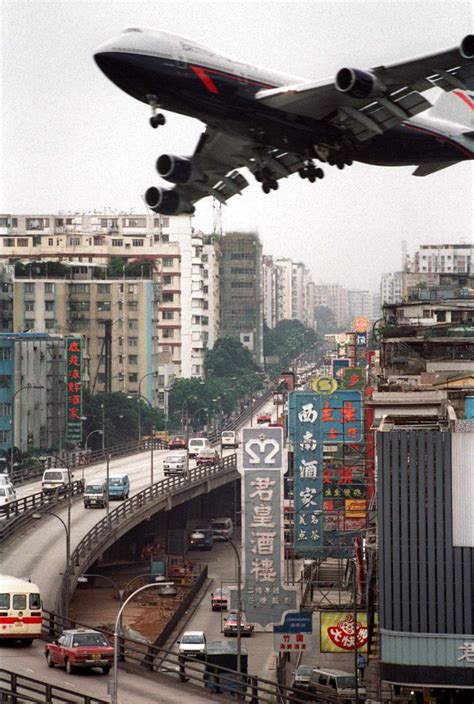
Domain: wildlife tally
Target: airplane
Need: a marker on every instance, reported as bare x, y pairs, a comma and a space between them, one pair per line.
277, 125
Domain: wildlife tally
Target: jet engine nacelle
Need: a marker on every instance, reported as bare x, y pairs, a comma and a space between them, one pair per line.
357, 83
176, 169
167, 202
467, 47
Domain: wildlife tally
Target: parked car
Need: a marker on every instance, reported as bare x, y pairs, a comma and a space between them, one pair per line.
302, 676
201, 538
119, 486
177, 442
196, 444
207, 457
231, 622
264, 418
335, 683
220, 599
55, 480
222, 528
95, 493
192, 644
5, 480
81, 648
229, 438
174, 464
7, 496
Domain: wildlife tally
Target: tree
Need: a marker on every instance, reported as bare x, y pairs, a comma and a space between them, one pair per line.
325, 320
227, 358
288, 339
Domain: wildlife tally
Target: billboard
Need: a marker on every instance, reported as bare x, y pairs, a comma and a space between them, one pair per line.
74, 389
338, 632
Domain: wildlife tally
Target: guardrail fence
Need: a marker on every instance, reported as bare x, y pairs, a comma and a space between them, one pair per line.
16, 688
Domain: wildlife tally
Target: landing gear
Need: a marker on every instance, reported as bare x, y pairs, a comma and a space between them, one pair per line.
157, 120
269, 184
311, 172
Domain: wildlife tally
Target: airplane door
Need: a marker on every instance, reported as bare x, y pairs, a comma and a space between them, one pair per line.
181, 55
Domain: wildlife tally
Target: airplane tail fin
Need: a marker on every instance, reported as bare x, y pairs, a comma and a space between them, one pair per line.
456, 106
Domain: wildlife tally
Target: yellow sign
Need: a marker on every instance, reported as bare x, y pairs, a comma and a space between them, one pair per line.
355, 508
324, 385
361, 324
161, 435
338, 632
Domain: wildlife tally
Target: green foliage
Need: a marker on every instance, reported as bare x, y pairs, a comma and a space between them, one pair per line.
325, 320
228, 358
41, 269
287, 340
118, 266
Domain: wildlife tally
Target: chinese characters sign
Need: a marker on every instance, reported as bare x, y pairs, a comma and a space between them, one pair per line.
338, 632
264, 598
74, 389
295, 632
342, 417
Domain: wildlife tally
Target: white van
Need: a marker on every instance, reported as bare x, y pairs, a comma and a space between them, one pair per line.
7, 496
223, 528
95, 493
337, 683
196, 444
56, 479
229, 438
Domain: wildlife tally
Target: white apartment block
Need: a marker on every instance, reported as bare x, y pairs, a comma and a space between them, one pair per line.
334, 297
365, 304
284, 288
391, 287
442, 259
269, 279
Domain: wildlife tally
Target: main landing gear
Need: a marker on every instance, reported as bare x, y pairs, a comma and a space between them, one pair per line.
311, 172
265, 177
157, 118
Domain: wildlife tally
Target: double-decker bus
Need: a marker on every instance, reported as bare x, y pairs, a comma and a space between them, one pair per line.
20, 609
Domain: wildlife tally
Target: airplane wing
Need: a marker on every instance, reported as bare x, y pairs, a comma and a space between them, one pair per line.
213, 170
368, 102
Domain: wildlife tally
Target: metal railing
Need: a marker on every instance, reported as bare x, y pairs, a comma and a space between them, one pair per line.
16, 688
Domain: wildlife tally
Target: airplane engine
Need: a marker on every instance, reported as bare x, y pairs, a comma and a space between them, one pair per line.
467, 47
176, 169
167, 202
357, 83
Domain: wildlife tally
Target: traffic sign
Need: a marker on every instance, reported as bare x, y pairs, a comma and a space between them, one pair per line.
262, 448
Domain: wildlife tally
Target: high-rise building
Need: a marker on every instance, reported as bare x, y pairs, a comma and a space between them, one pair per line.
365, 304
269, 283
334, 297
241, 295
391, 285
442, 258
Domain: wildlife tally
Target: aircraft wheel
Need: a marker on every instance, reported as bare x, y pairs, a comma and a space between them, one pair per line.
349, 162
258, 176
331, 161
319, 173
340, 165
312, 178
274, 184
266, 188
302, 173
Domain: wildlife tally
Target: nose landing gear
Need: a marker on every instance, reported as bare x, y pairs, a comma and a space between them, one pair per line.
157, 118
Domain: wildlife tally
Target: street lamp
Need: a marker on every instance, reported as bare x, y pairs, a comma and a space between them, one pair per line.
219, 398
114, 697
39, 516
196, 413
139, 405
22, 388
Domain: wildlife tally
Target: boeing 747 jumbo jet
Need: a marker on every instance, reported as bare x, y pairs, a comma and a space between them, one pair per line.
276, 125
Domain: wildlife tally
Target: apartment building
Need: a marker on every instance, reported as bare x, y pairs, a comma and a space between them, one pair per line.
365, 304
269, 284
391, 287
336, 298
442, 259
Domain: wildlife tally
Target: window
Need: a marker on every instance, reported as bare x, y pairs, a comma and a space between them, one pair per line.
104, 306
79, 305
68, 221
79, 288
50, 324
138, 243
156, 222
134, 222
49, 306
132, 305
133, 341
5, 353
29, 324
50, 241
59, 222
168, 261
117, 243
133, 359
3, 222
74, 241
8, 241
49, 288
167, 297
22, 242
4, 436
37, 223
29, 288
19, 601
103, 223
4, 601
167, 333
103, 288
35, 601
132, 288
133, 378
5, 409
14, 222
165, 222
29, 306
133, 324
165, 238
167, 315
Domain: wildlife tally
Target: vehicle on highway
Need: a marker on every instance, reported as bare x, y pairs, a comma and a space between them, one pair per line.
80, 648
5, 479
223, 528
119, 486
201, 538
278, 399
7, 496
220, 599
302, 676
336, 683
174, 464
264, 418
196, 444
229, 438
56, 479
231, 622
95, 493
20, 609
177, 442
192, 644
207, 457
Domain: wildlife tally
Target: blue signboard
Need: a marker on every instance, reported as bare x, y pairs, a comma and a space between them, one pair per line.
342, 417
296, 622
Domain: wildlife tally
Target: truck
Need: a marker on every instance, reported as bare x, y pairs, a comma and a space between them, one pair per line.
224, 654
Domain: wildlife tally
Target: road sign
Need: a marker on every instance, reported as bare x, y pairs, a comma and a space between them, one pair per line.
295, 633
262, 448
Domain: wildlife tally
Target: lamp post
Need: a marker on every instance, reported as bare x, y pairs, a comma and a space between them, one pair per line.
22, 388
219, 398
185, 402
196, 413
139, 405
114, 697
67, 528
86, 447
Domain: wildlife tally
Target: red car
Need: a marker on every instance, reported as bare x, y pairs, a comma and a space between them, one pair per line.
177, 442
82, 648
207, 457
230, 625
264, 418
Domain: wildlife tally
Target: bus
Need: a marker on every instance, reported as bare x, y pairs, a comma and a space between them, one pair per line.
20, 609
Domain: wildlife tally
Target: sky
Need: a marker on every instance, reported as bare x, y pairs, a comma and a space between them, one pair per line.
71, 140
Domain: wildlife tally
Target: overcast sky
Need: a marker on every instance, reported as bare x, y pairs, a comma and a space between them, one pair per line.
72, 140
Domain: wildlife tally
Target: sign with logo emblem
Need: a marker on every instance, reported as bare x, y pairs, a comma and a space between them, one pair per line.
262, 448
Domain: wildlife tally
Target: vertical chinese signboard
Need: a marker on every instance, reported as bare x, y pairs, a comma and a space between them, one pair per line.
74, 389
264, 597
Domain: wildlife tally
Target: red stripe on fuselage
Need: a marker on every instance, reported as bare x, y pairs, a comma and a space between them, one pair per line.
208, 82
202, 73
441, 137
465, 98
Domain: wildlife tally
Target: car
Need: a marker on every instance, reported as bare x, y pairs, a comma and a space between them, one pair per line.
56, 480
220, 599
222, 528
229, 438
201, 538
5, 480
95, 493
119, 486
177, 442
302, 676
264, 418
81, 649
207, 457
196, 444
192, 644
231, 622
174, 464
7, 496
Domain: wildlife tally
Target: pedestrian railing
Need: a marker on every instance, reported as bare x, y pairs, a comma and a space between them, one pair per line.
16, 688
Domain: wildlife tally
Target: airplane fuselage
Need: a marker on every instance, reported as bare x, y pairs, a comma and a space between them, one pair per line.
184, 77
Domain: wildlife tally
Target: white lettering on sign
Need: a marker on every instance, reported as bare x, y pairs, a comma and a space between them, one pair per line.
262, 488
467, 650
307, 495
263, 543
263, 570
308, 442
308, 469
308, 413
262, 517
